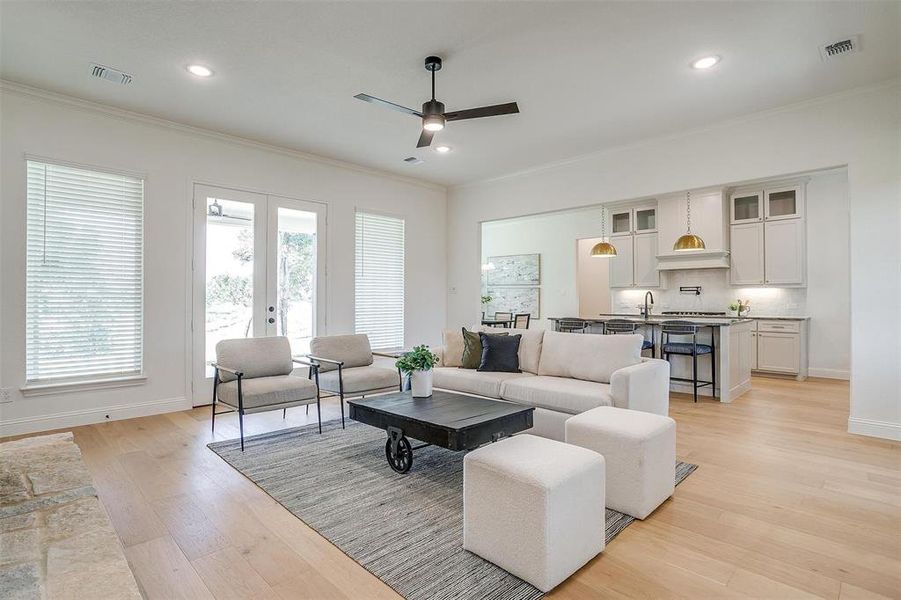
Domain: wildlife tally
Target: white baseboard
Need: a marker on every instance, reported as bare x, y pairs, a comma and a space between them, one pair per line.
829, 373
90, 416
879, 429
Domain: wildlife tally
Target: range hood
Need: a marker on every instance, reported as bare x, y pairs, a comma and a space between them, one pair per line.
700, 259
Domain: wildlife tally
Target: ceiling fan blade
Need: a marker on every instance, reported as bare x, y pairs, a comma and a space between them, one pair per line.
484, 111
386, 104
425, 139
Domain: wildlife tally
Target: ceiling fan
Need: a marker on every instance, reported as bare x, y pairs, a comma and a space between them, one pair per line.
433, 115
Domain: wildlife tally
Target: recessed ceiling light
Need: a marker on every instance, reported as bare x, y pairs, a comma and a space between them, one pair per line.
705, 63
442, 149
200, 70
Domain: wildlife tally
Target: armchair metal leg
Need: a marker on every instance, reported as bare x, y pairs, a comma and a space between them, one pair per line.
341, 393
241, 427
284, 412
319, 412
308, 409
342, 410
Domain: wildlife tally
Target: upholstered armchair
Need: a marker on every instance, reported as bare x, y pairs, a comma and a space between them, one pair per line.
254, 375
344, 367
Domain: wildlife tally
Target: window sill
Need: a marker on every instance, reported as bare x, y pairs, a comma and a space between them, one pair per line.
46, 389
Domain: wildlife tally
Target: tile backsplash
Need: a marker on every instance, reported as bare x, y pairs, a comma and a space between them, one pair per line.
716, 295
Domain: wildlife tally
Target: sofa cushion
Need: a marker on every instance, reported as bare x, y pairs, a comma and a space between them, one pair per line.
472, 348
360, 379
453, 348
500, 353
529, 346
468, 381
571, 396
588, 356
264, 392
255, 357
353, 349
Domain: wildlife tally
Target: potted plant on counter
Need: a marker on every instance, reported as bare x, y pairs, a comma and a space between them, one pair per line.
418, 364
740, 307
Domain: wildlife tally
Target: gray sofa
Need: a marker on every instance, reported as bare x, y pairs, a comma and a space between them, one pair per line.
563, 374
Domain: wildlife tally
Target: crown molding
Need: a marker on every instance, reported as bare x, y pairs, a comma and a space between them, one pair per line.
7, 86
858, 91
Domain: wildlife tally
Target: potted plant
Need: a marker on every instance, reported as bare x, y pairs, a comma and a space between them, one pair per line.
740, 307
486, 300
418, 365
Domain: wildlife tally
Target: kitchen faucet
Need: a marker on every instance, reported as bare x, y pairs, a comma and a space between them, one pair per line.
647, 311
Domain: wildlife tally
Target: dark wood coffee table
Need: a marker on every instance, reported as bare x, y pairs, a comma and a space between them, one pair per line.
452, 421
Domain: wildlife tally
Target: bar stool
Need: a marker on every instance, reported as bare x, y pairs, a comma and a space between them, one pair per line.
614, 326
693, 349
571, 326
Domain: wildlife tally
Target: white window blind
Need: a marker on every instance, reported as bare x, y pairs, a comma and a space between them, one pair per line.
380, 279
84, 282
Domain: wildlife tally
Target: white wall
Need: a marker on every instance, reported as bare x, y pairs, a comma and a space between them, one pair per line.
173, 158
859, 129
553, 236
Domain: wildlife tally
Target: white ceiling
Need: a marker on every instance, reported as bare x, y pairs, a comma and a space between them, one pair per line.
587, 76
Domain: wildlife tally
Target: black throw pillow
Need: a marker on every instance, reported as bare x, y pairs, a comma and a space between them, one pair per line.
500, 353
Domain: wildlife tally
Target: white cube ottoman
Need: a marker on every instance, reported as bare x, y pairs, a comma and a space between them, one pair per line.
639, 449
534, 507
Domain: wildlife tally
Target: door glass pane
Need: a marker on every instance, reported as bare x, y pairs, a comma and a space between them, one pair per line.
747, 207
621, 222
782, 203
645, 219
229, 273
296, 277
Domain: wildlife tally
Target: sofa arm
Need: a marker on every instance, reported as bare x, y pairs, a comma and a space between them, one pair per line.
644, 387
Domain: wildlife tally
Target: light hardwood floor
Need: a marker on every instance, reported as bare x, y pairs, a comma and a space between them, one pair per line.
785, 504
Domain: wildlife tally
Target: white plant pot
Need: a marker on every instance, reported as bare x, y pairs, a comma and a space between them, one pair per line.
421, 383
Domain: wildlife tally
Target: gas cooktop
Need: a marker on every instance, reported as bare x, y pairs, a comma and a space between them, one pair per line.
693, 313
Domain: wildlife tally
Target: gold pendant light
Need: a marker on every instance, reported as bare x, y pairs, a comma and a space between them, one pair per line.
689, 241
603, 249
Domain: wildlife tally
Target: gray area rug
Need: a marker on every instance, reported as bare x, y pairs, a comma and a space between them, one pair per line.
407, 530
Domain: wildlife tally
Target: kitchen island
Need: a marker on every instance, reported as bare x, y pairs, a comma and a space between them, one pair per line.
731, 338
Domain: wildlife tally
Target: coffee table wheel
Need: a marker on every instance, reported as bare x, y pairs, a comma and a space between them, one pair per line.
403, 460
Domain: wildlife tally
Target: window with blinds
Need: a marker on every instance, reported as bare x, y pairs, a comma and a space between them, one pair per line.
84, 274
379, 279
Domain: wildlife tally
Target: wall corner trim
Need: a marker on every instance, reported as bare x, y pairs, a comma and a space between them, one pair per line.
878, 429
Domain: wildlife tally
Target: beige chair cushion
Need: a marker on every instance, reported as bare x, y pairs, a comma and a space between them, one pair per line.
360, 379
255, 357
571, 396
353, 349
468, 381
453, 348
266, 393
587, 356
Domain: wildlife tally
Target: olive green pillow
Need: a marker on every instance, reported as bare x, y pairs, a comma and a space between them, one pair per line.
472, 348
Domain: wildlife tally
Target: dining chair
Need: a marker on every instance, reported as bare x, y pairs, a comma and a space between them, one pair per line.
504, 316
522, 320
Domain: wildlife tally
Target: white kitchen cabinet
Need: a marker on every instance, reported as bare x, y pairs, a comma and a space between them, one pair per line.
779, 352
621, 222
746, 207
644, 246
784, 252
747, 241
784, 202
644, 219
622, 267
753, 350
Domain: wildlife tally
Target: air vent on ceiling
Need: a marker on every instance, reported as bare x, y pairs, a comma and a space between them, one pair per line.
849, 45
110, 74
412, 160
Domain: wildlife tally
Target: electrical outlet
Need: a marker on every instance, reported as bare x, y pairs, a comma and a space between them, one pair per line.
5, 395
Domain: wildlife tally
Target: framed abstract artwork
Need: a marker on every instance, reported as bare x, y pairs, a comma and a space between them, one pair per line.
516, 269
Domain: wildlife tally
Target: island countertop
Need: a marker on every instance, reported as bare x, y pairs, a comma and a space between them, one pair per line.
657, 319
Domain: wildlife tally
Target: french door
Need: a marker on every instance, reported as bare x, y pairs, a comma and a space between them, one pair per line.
259, 270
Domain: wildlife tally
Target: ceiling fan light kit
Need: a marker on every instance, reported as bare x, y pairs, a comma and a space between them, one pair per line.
433, 115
